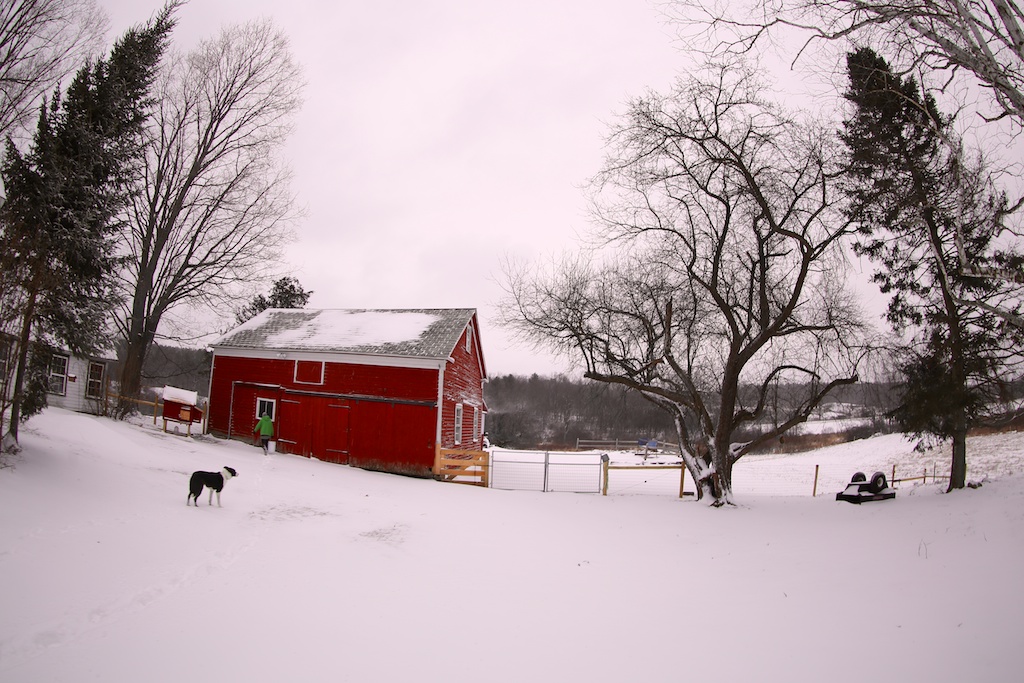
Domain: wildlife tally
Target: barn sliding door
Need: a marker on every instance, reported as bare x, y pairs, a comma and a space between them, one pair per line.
337, 424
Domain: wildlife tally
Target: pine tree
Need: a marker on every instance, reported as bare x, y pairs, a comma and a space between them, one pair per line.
58, 223
922, 208
287, 292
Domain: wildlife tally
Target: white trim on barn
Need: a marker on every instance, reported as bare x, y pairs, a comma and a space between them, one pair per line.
350, 358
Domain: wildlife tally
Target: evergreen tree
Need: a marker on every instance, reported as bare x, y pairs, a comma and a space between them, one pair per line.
921, 209
286, 293
58, 224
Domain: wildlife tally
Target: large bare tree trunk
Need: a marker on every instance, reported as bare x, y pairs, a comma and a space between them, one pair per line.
730, 281
214, 204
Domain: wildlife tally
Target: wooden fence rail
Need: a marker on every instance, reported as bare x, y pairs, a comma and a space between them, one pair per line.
623, 444
156, 405
923, 478
606, 467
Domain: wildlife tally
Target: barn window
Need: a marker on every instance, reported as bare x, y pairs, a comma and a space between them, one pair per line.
309, 372
94, 386
59, 375
265, 406
476, 424
458, 424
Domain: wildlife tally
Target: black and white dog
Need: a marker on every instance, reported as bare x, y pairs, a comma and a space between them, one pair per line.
212, 480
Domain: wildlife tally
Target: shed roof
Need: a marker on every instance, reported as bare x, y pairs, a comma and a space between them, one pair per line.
421, 333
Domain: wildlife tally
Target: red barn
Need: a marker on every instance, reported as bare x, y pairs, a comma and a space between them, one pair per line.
378, 389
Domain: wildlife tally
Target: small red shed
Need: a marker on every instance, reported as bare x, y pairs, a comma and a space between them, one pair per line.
181, 405
378, 389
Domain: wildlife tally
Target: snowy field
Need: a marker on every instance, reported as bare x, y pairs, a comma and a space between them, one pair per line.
994, 456
316, 572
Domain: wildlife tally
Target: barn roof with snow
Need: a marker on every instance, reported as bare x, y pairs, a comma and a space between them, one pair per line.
418, 333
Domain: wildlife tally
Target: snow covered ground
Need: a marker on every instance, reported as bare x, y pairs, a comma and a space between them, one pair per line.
316, 572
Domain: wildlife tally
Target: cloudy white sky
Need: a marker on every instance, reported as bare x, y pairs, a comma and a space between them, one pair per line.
438, 137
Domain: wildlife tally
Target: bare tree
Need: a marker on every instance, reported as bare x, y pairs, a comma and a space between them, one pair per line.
959, 41
981, 38
214, 202
41, 42
722, 300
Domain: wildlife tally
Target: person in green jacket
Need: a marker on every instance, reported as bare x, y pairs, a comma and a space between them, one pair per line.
266, 429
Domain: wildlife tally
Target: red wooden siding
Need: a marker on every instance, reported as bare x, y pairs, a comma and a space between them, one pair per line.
371, 416
374, 417
463, 383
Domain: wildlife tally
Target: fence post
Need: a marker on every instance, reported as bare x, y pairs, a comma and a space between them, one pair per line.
546, 460
604, 474
682, 478
814, 491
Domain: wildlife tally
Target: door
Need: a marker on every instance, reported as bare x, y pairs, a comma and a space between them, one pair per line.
315, 426
337, 420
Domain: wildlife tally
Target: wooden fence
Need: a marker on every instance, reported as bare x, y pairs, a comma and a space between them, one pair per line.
463, 467
642, 445
156, 405
923, 478
606, 466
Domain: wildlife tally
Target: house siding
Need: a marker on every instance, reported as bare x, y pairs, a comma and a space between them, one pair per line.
77, 385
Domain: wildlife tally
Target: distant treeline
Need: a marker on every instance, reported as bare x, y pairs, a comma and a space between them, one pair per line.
553, 412
533, 412
177, 367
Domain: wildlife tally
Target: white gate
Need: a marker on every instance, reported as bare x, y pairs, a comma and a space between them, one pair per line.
546, 471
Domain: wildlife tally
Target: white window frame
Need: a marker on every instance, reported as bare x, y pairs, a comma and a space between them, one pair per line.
91, 383
266, 402
476, 423
295, 372
458, 424
62, 377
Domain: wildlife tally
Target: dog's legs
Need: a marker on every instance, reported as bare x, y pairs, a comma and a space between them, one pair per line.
210, 502
218, 498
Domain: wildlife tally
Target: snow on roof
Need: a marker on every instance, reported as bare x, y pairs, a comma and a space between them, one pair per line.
180, 395
430, 333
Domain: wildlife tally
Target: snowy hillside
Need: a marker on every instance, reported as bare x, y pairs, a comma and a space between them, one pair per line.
316, 572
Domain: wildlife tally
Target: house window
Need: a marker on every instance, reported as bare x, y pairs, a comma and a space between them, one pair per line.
94, 387
476, 424
6, 350
59, 375
265, 406
458, 424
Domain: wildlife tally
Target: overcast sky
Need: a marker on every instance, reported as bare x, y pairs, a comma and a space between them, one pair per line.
438, 137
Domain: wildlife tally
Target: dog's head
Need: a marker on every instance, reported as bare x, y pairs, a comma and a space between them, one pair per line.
228, 473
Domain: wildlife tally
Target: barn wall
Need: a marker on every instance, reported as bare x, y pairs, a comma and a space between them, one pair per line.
375, 417
463, 383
